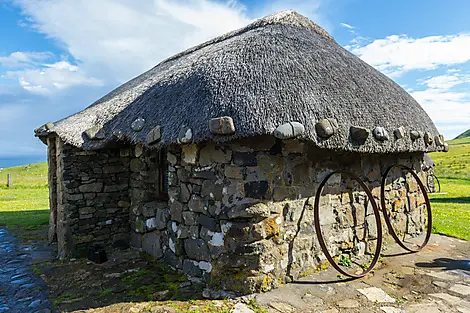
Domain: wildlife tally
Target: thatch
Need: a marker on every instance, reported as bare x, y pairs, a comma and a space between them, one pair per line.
282, 68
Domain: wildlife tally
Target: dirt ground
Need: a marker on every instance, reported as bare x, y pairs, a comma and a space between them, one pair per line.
436, 279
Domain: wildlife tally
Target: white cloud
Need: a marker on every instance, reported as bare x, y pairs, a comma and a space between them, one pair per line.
52, 77
449, 108
345, 25
24, 59
446, 81
398, 54
117, 39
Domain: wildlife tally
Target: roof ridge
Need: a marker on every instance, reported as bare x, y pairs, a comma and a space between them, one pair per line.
286, 17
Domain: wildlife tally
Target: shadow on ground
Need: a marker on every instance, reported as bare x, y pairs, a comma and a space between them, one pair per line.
446, 264
451, 200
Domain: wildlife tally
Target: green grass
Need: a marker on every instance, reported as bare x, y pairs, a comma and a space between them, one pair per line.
456, 162
26, 203
451, 210
25, 176
465, 134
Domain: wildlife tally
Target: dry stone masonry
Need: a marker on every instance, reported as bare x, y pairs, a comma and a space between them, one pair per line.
92, 198
236, 216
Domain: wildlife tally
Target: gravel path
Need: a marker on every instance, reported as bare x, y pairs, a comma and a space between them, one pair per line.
20, 289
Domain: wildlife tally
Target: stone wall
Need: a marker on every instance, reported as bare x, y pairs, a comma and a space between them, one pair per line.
93, 199
239, 216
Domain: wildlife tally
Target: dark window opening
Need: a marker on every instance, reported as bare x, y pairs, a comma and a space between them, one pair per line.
162, 189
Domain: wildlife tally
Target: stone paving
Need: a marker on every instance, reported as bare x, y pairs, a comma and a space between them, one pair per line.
436, 279
20, 289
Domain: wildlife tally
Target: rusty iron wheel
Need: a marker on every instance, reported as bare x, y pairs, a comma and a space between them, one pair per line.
438, 183
387, 216
318, 227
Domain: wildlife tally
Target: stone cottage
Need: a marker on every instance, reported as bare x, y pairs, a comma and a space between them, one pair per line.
210, 160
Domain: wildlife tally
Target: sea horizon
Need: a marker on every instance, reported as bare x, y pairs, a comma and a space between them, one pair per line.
9, 161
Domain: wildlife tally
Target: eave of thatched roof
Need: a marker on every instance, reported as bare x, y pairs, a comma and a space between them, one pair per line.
282, 68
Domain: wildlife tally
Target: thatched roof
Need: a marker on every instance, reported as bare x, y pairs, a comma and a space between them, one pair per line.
282, 68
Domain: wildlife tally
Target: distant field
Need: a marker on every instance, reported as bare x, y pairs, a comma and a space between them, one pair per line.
25, 176
456, 162
451, 209
26, 203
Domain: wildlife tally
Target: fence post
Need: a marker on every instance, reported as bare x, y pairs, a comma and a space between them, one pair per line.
8, 180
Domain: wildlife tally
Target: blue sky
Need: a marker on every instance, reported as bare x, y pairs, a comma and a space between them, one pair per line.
58, 56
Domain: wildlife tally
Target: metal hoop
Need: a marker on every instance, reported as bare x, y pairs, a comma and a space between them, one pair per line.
387, 216
438, 182
318, 227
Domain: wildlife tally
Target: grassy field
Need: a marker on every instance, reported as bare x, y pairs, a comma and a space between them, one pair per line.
26, 203
451, 208
456, 162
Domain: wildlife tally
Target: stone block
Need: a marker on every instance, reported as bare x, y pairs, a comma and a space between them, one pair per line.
114, 188
222, 125
191, 268
380, 133
176, 211
257, 189
86, 210
190, 218
196, 204
204, 174
173, 260
245, 159
257, 143
93, 187
359, 134
138, 124
185, 194
137, 165
194, 232
289, 130
326, 128
214, 154
235, 172
190, 154
154, 135
161, 218
208, 222
151, 244
197, 249
171, 158
248, 210
212, 190
293, 146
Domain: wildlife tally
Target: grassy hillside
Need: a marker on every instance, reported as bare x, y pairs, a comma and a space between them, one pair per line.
25, 176
26, 203
456, 162
465, 134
